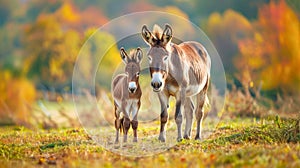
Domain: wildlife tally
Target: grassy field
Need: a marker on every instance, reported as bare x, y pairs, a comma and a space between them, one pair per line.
237, 142
251, 133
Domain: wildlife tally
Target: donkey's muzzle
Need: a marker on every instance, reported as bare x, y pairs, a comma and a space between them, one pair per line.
132, 90
132, 87
156, 85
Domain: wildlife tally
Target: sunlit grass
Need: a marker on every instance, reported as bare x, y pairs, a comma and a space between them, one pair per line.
237, 142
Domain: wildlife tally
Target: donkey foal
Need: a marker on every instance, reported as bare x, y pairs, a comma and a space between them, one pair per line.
127, 93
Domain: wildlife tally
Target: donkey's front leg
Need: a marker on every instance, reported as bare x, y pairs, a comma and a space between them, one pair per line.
134, 125
126, 124
134, 122
164, 103
126, 120
180, 101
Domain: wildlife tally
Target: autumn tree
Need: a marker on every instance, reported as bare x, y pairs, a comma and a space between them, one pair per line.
99, 54
271, 56
51, 51
225, 31
71, 17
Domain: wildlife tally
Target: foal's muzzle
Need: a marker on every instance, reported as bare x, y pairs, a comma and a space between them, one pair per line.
132, 87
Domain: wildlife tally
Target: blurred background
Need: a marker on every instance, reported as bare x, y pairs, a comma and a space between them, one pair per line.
258, 42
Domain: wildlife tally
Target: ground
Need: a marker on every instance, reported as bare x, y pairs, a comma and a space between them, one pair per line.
237, 142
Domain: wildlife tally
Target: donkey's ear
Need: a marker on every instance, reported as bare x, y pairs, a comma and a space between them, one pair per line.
124, 55
139, 54
167, 35
147, 35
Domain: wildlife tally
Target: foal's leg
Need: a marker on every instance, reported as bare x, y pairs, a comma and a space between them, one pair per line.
199, 113
126, 119
117, 124
188, 111
134, 125
134, 122
126, 124
164, 103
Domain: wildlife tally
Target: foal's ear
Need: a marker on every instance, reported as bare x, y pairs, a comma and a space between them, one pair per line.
167, 35
124, 55
147, 36
139, 54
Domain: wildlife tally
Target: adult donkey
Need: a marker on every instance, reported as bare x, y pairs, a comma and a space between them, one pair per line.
182, 71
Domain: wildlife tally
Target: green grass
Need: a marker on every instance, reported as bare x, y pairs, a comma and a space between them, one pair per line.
239, 142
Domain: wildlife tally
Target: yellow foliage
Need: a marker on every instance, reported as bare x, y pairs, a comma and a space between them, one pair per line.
57, 49
225, 31
231, 23
105, 44
16, 96
68, 13
214, 19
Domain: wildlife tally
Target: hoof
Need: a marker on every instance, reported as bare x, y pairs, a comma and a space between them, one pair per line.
162, 139
135, 139
179, 139
197, 138
116, 140
187, 137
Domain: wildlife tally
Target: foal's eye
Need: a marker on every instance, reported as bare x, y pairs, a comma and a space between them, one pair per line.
137, 74
149, 58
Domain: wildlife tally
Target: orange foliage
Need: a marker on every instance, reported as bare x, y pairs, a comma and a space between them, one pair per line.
69, 16
140, 6
16, 95
272, 54
92, 17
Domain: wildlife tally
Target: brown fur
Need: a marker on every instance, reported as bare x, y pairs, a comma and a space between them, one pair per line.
180, 70
127, 102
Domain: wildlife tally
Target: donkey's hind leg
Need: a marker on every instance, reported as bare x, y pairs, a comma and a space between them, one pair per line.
199, 113
188, 111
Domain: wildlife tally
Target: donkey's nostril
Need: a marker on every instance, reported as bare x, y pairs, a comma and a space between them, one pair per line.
153, 84
156, 85
159, 84
131, 90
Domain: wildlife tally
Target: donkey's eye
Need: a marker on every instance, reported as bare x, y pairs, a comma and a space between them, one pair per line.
165, 58
149, 58
137, 74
